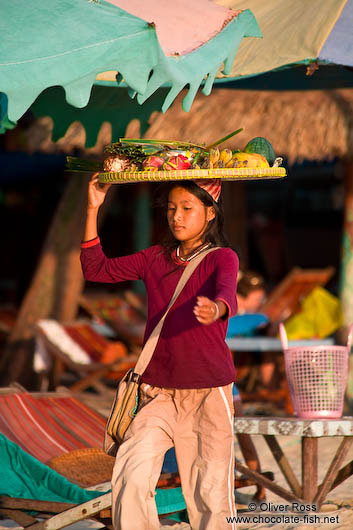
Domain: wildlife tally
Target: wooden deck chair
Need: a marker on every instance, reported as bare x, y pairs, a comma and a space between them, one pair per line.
27, 484
78, 348
48, 424
57, 427
284, 300
42, 426
125, 314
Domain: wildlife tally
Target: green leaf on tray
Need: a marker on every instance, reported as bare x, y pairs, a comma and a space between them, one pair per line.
82, 164
223, 139
161, 143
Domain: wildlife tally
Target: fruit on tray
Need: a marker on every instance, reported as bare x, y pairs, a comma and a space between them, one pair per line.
250, 160
149, 155
121, 163
152, 163
261, 146
130, 155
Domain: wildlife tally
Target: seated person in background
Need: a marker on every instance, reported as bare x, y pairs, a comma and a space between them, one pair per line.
250, 292
250, 296
248, 321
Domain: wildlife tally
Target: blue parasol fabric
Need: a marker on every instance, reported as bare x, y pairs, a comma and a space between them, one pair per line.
338, 48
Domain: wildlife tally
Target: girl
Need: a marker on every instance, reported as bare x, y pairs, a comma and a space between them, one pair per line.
186, 390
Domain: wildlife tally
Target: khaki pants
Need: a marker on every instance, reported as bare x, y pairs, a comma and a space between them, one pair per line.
199, 423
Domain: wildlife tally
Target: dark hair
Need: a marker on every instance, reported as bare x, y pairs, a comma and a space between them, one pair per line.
214, 232
248, 282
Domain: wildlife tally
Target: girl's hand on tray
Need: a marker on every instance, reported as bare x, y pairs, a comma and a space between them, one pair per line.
96, 192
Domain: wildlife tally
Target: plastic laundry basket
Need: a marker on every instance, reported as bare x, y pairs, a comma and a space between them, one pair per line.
317, 377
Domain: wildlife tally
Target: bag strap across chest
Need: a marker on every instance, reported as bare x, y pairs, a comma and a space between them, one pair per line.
151, 343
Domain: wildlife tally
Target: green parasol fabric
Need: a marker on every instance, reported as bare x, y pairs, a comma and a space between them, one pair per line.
69, 43
106, 105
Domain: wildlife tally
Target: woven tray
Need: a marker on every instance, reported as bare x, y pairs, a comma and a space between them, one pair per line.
226, 174
85, 467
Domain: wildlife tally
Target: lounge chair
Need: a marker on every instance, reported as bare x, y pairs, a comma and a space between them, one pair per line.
79, 349
28, 484
52, 431
48, 424
124, 314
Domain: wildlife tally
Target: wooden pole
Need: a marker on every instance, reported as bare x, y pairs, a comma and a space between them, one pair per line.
346, 273
56, 284
58, 279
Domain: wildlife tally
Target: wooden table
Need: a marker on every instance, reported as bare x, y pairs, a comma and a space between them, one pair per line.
309, 491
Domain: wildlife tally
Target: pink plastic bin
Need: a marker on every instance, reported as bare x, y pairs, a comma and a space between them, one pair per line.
317, 377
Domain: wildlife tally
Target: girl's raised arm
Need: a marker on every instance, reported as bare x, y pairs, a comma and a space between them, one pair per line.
96, 196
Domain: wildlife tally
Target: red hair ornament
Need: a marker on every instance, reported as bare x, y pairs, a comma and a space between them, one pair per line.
212, 186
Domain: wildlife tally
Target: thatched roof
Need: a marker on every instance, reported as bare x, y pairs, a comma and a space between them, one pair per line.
38, 137
312, 125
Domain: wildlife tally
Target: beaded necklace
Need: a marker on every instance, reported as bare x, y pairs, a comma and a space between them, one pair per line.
193, 255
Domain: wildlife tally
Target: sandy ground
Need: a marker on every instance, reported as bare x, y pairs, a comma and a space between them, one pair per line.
337, 508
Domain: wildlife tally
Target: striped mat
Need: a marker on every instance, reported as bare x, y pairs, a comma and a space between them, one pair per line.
48, 425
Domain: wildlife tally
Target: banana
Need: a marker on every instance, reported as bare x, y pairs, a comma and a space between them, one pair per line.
232, 163
214, 156
226, 156
250, 160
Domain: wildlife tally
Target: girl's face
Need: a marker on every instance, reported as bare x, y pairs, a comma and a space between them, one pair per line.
187, 216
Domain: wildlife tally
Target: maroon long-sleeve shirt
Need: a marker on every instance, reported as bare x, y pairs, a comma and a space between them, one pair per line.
188, 354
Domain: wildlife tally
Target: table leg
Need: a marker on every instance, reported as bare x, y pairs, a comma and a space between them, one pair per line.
283, 464
344, 473
268, 484
332, 471
309, 468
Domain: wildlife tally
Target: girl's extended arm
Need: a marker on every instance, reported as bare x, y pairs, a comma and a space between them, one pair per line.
224, 302
96, 196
